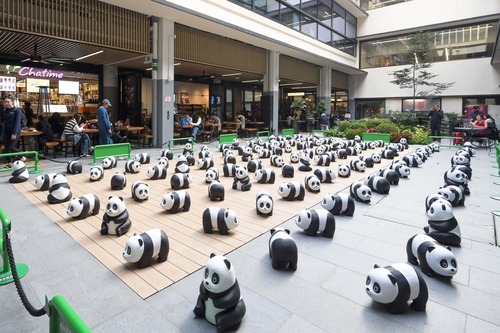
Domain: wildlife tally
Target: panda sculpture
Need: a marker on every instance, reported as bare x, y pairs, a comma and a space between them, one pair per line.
109, 162
59, 190
43, 182
358, 165
344, 171
139, 191
142, 249
254, 165
115, 220
174, 202
222, 219
265, 176
339, 204
241, 179
360, 192
390, 175
156, 172
182, 165
96, 173
216, 191
434, 259
395, 285
314, 221
142, 158
453, 194
133, 166
283, 250
167, 154
83, 207
180, 181
118, 181
19, 173
378, 184
287, 170
312, 183
443, 225
292, 191
74, 167
264, 203
220, 300
294, 158
211, 174
205, 163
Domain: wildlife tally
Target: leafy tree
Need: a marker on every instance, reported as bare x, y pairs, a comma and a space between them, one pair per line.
417, 76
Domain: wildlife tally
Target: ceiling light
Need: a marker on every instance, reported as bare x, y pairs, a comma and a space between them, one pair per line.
232, 74
89, 55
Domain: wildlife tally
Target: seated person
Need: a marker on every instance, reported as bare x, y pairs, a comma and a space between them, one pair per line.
73, 132
42, 126
197, 126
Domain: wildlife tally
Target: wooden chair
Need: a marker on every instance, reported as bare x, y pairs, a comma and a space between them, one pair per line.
146, 135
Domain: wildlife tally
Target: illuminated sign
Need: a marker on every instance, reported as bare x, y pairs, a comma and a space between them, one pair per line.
46, 73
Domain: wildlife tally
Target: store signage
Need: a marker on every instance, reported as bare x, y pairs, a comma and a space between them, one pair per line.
37, 72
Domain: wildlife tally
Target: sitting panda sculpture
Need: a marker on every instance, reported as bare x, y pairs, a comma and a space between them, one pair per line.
395, 285
222, 219
443, 225
220, 300
141, 249
174, 202
115, 220
83, 207
282, 249
434, 259
19, 173
314, 221
59, 190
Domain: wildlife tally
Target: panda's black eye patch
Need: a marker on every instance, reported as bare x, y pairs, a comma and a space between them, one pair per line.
215, 278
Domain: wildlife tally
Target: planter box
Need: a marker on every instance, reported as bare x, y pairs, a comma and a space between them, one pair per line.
376, 136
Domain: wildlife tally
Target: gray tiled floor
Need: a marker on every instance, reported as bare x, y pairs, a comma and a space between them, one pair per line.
325, 294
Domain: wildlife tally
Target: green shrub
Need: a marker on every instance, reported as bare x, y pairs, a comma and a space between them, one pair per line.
387, 128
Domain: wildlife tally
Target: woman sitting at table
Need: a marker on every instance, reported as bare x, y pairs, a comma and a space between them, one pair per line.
73, 132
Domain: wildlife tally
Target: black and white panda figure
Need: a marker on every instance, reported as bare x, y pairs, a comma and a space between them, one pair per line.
109, 162
325, 175
19, 173
182, 165
216, 191
118, 181
142, 158
378, 184
395, 285
453, 194
211, 174
220, 300
188, 149
287, 170
74, 167
344, 171
43, 182
314, 221
283, 250
174, 202
83, 207
167, 153
358, 165
376, 157
254, 165
443, 225
264, 203
434, 259
133, 166
180, 181
229, 169
229, 159
142, 249
163, 161
96, 173
115, 220
304, 161
205, 163
205, 154
59, 190
294, 158
368, 161
292, 191
156, 172
322, 160
241, 179
402, 170
246, 154
390, 175
312, 183
454, 176
360, 192
265, 176
277, 161
339, 204
220, 219
139, 191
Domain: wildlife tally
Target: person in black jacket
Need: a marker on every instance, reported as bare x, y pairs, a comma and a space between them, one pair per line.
436, 115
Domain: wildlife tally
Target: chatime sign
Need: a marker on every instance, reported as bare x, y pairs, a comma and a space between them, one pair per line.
37, 72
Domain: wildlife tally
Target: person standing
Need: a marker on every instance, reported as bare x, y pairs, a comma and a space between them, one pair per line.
104, 124
436, 115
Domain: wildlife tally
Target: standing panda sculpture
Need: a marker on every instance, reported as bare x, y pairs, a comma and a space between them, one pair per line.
74, 167
174, 202
96, 173
83, 207
19, 173
222, 219
59, 190
339, 204
264, 203
142, 249
43, 182
109, 162
220, 300
115, 220
118, 181
434, 259
443, 225
140, 191
395, 285
292, 191
315, 221
216, 191
282, 249
133, 166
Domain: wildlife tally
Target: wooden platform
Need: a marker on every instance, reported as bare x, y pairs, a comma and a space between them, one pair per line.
190, 247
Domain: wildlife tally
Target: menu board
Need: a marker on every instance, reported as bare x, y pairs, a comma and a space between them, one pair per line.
7, 83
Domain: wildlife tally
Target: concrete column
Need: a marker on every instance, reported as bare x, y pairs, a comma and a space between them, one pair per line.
270, 95
324, 90
110, 89
163, 81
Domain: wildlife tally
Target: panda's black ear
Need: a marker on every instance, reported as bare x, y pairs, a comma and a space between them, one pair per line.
392, 278
376, 266
212, 255
431, 248
140, 242
228, 264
